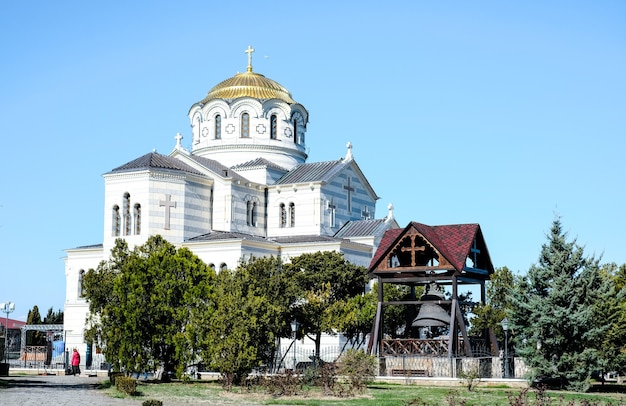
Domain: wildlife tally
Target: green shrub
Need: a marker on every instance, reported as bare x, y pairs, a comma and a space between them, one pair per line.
358, 367
114, 375
152, 402
126, 384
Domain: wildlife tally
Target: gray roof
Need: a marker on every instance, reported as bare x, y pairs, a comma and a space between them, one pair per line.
311, 172
154, 160
226, 235
296, 239
360, 228
217, 168
292, 239
259, 162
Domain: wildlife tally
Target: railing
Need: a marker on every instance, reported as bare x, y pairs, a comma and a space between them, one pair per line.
413, 346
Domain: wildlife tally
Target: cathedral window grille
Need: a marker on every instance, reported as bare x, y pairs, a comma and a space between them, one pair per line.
126, 213
218, 127
332, 213
116, 221
282, 215
273, 126
245, 125
292, 214
251, 213
251, 207
81, 285
137, 218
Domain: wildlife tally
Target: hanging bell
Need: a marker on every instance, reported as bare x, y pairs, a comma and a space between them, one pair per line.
431, 315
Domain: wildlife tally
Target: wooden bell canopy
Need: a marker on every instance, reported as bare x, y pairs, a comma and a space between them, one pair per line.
431, 257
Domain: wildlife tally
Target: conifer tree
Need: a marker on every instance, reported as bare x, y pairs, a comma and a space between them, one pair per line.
555, 317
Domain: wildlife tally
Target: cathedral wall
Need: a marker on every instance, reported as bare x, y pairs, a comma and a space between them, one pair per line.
76, 308
306, 204
226, 140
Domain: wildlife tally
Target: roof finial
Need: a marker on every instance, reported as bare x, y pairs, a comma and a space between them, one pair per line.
349, 153
249, 51
390, 215
178, 138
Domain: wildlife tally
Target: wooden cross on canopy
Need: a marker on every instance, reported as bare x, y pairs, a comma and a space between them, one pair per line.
413, 249
474, 250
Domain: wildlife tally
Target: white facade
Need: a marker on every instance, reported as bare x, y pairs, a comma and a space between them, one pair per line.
244, 190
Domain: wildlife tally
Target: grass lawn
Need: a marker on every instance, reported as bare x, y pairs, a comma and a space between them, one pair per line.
379, 394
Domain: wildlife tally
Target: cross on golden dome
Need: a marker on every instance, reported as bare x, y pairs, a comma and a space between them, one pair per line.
249, 51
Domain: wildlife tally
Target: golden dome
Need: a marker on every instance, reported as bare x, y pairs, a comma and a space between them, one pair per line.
249, 84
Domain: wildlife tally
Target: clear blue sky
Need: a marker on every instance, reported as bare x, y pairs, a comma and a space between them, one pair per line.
500, 113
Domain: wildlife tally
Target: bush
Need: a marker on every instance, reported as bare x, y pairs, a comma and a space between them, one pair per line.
113, 375
126, 384
152, 402
358, 367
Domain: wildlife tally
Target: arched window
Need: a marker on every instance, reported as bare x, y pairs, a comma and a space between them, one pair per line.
81, 287
212, 266
332, 212
295, 130
245, 125
282, 214
273, 126
251, 213
223, 267
116, 221
292, 214
218, 127
137, 218
126, 213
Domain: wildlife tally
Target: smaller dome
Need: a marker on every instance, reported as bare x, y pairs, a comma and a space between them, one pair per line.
249, 84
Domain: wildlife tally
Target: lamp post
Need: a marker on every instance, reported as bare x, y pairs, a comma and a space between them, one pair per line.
294, 330
6, 307
505, 327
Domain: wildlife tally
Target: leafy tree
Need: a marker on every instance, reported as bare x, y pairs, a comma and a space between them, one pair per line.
354, 317
497, 303
323, 280
251, 309
558, 327
142, 302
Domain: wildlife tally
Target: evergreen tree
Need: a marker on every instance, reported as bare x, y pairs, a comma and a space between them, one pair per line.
34, 337
557, 324
142, 304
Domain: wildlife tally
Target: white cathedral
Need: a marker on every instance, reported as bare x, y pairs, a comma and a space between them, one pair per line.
244, 190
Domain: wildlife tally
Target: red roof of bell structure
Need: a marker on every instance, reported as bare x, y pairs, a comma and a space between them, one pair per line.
455, 242
13, 324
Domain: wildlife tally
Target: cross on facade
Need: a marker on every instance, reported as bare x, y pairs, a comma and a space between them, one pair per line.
349, 189
474, 250
365, 213
168, 204
413, 249
249, 51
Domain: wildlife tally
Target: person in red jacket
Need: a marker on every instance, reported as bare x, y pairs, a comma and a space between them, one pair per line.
75, 362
